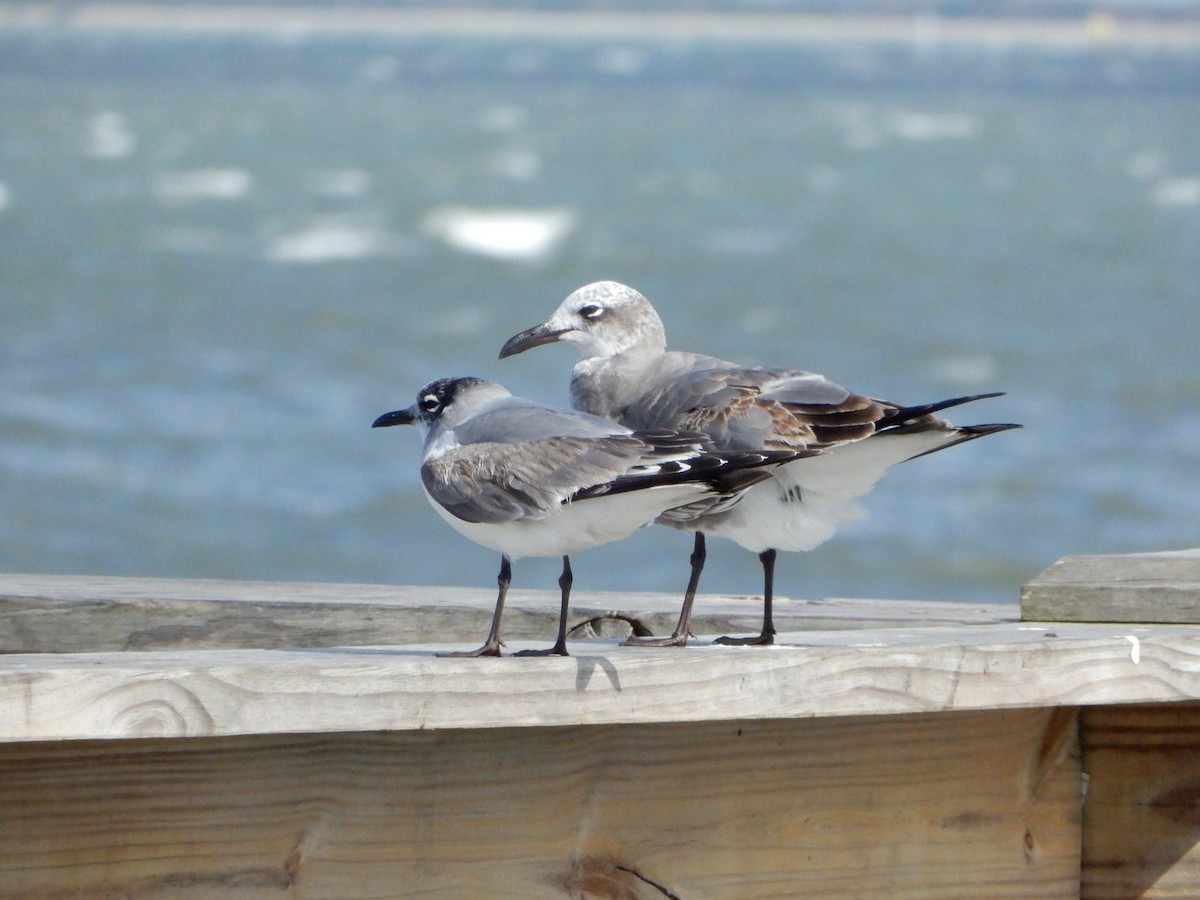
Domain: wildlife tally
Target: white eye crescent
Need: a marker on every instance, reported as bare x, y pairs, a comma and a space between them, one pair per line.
591, 311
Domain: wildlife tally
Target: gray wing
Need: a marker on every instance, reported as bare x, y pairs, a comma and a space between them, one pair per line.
746, 407
503, 482
494, 481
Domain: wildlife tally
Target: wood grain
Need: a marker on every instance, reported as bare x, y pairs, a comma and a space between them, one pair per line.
1135, 587
80, 614
835, 673
1142, 812
882, 748
959, 805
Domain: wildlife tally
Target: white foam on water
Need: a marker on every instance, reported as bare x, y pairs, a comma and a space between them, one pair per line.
523, 235
1177, 191
109, 136
203, 184
335, 238
931, 126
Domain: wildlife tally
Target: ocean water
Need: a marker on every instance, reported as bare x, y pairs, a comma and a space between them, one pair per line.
222, 257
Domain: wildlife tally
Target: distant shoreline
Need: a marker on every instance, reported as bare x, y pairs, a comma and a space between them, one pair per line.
1095, 31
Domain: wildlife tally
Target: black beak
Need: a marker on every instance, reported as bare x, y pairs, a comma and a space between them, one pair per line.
397, 417
531, 337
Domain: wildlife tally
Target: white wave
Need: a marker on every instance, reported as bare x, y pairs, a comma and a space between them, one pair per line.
334, 238
524, 235
203, 184
109, 137
1177, 191
926, 126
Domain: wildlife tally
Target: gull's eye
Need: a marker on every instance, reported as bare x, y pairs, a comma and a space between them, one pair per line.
591, 311
430, 403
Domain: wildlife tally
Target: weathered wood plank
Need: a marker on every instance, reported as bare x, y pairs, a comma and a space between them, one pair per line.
963, 805
1142, 811
1135, 587
835, 673
78, 614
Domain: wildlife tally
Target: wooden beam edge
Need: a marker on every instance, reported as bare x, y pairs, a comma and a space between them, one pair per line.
830, 674
1162, 587
76, 614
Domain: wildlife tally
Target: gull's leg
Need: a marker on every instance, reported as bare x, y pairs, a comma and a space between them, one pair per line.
560, 645
491, 647
679, 636
767, 558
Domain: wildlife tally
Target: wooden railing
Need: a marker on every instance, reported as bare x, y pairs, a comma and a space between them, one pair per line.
185, 738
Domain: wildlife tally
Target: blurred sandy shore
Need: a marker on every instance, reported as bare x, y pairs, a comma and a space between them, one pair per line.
1099, 29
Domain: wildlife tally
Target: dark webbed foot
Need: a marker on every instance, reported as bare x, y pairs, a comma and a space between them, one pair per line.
556, 650
762, 640
489, 649
674, 640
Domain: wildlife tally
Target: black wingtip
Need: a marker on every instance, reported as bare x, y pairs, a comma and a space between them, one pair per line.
970, 433
908, 413
993, 428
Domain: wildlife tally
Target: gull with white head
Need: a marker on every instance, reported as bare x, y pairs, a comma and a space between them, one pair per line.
628, 375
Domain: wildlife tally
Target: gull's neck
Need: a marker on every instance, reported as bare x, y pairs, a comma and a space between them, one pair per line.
606, 385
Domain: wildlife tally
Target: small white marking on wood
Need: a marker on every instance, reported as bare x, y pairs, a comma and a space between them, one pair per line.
1135, 652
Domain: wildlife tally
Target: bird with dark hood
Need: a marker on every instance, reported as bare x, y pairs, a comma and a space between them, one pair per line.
526, 479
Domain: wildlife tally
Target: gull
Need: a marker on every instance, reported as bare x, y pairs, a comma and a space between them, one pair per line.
628, 375
526, 479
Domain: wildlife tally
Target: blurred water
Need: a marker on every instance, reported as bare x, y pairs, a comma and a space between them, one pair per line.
221, 258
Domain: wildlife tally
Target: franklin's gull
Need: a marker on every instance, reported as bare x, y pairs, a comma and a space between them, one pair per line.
525, 479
